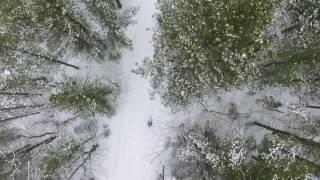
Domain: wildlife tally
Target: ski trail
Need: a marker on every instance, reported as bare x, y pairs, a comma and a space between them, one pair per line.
131, 150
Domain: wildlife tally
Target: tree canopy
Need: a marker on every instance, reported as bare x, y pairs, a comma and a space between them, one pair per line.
202, 46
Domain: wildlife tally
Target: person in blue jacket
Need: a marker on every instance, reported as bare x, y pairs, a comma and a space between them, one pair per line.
150, 122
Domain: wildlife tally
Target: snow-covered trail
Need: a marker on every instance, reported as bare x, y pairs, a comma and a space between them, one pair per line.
130, 153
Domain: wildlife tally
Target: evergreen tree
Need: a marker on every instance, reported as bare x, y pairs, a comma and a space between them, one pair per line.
293, 58
203, 46
203, 155
88, 97
59, 25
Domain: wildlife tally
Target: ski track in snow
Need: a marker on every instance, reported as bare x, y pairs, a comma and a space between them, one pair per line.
131, 152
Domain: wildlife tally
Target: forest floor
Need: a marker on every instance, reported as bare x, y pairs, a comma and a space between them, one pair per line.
132, 150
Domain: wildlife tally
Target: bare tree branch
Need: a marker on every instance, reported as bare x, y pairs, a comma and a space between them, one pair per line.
21, 107
88, 153
17, 117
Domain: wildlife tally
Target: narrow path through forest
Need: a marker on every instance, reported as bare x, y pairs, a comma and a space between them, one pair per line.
131, 150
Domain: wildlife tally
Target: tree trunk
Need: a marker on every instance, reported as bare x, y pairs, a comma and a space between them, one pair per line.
43, 57
27, 148
313, 107
19, 94
275, 110
30, 148
39, 79
286, 133
65, 122
88, 153
17, 117
118, 4
51, 59
88, 32
316, 166
21, 107
38, 136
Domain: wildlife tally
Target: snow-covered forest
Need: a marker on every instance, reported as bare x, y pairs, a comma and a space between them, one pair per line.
159, 89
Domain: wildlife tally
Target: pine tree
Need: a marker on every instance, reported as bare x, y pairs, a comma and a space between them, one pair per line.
84, 96
204, 155
61, 26
202, 46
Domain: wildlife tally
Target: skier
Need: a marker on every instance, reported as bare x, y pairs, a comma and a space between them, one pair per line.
150, 122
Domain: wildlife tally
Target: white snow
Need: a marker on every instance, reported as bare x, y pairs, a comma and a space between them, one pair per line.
131, 152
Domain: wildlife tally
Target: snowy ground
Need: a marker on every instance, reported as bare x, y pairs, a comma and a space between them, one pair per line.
132, 150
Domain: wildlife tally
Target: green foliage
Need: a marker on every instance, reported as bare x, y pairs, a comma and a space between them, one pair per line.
271, 103
7, 135
303, 23
206, 45
293, 59
88, 97
34, 35
292, 68
58, 158
115, 21
202, 155
9, 59
274, 161
59, 24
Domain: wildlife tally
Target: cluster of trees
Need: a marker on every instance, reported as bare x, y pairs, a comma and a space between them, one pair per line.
208, 48
270, 141
283, 155
47, 125
205, 46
